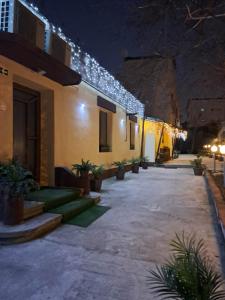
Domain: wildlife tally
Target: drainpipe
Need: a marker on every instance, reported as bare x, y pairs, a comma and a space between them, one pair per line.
142, 136
160, 140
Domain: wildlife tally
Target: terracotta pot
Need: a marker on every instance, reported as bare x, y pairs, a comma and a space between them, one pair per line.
96, 184
120, 174
144, 165
13, 210
135, 168
198, 171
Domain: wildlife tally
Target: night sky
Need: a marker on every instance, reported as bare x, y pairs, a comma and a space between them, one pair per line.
100, 27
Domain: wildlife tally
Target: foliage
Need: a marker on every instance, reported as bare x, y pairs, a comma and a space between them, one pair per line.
197, 163
120, 164
135, 160
97, 171
144, 159
84, 166
16, 180
188, 274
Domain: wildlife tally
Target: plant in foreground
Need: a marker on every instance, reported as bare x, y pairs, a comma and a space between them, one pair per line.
84, 168
188, 274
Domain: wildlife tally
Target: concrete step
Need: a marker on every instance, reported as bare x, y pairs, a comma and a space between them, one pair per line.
73, 208
32, 209
30, 229
54, 197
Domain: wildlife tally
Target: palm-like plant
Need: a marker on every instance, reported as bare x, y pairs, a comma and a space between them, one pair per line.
188, 274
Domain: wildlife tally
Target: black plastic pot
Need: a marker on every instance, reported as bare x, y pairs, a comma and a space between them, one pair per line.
144, 165
96, 184
135, 168
13, 210
198, 171
120, 174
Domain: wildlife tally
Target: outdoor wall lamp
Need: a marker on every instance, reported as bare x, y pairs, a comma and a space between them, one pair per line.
222, 151
214, 149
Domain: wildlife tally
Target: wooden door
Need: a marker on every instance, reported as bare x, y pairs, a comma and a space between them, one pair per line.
26, 133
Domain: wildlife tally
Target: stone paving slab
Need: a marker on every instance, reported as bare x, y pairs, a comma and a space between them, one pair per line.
111, 258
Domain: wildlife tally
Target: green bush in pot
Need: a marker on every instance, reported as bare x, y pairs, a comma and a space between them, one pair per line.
15, 184
120, 173
197, 166
83, 169
97, 176
135, 162
144, 162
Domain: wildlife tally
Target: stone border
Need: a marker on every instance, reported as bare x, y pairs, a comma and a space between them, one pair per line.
218, 200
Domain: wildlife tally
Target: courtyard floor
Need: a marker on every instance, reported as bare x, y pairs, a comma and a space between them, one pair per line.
110, 259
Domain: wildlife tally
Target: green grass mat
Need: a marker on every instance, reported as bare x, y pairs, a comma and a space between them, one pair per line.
89, 216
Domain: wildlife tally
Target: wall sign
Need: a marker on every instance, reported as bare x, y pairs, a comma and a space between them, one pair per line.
4, 71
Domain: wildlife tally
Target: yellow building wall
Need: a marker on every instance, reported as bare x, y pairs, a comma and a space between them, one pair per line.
75, 119
76, 126
155, 127
77, 129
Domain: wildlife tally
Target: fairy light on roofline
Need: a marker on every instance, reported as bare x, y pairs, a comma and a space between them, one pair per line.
92, 72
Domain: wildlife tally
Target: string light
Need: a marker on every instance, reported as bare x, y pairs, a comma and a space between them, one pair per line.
90, 69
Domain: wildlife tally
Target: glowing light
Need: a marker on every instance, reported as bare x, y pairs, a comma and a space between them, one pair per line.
214, 148
82, 106
222, 149
121, 122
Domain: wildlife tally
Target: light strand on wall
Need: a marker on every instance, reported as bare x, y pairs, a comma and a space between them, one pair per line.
92, 72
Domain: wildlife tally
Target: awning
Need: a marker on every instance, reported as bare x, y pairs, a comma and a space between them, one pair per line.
16, 48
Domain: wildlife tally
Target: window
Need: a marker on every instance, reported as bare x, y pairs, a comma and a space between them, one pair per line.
104, 131
132, 136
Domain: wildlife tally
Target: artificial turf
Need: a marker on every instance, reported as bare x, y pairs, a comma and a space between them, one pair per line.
88, 216
54, 197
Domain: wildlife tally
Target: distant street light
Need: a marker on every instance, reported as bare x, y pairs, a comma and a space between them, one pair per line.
222, 151
214, 149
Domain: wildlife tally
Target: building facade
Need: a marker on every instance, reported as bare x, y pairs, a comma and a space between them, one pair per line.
54, 114
153, 80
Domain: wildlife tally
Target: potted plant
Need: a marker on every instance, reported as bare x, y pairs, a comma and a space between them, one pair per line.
144, 162
197, 166
15, 183
97, 175
83, 170
188, 274
135, 165
120, 173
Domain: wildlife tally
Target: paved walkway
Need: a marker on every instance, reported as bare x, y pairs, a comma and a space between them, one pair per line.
110, 259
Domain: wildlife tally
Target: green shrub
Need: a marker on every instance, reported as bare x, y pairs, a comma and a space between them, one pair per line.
188, 274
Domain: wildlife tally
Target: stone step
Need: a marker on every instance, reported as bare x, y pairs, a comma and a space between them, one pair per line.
30, 229
73, 208
32, 209
54, 197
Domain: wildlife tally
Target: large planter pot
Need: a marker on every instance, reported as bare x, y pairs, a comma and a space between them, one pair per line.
96, 184
144, 165
84, 174
120, 174
135, 168
198, 171
84, 183
13, 210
